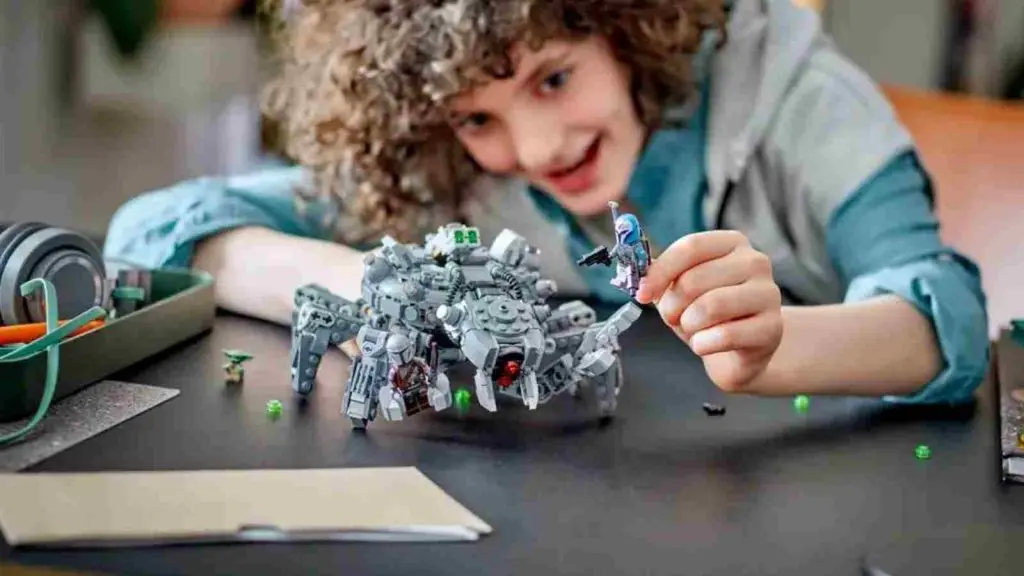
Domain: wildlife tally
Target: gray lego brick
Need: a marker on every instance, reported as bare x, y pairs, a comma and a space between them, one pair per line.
79, 417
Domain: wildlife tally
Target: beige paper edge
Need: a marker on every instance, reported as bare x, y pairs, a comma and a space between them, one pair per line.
303, 504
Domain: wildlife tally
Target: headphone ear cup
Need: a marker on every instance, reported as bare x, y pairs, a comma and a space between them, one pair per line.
10, 237
70, 261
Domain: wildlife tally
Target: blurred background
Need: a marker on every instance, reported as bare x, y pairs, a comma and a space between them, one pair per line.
103, 99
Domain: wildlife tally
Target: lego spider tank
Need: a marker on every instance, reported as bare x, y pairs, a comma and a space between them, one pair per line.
425, 309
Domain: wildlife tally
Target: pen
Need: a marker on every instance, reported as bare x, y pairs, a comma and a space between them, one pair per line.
25, 333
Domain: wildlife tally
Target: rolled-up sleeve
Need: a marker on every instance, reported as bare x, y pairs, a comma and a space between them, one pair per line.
160, 228
885, 240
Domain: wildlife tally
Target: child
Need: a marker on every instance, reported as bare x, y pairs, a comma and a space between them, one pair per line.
796, 249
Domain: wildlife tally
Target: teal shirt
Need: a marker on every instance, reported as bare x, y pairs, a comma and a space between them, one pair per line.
883, 240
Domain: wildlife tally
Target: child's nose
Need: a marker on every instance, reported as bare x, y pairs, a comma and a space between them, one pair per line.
537, 143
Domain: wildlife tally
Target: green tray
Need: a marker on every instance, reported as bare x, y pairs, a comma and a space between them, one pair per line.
180, 305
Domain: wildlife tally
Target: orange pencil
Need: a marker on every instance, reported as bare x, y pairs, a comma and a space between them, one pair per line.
25, 333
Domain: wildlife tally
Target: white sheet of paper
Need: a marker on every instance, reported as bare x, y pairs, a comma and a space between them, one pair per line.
147, 508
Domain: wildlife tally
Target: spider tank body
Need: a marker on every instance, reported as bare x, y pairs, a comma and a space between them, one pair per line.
425, 308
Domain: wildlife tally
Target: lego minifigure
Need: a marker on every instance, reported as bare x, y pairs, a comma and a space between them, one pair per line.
412, 385
631, 253
233, 371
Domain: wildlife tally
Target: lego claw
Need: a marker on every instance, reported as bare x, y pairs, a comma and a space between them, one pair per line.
529, 390
485, 391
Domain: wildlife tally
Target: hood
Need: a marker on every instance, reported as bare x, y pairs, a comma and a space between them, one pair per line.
768, 42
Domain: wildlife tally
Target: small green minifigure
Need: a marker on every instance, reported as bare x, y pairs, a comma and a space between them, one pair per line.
923, 452
233, 371
802, 404
274, 408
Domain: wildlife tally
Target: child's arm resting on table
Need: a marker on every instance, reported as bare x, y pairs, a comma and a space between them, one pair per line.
915, 309
913, 326
246, 231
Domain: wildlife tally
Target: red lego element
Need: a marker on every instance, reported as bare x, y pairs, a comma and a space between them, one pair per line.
509, 373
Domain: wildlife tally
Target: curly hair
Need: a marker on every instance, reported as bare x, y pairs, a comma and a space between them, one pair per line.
363, 87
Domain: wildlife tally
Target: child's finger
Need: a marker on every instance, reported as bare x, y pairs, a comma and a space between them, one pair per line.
684, 254
749, 333
671, 304
729, 303
730, 270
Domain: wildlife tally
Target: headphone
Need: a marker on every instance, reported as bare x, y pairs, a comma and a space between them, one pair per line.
72, 263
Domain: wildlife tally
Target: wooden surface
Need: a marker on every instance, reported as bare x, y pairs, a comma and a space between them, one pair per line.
975, 151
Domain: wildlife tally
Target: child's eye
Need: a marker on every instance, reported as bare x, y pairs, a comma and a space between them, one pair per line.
473, 121
555, 81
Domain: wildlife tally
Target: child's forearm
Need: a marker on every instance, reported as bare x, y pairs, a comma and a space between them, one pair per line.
882, 346
257, 270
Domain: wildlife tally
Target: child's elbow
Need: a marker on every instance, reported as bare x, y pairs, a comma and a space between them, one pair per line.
959, 318
970, 358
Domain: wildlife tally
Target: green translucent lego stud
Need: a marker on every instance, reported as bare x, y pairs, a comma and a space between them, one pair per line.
274, 408
462, 399
802, 404
923, 452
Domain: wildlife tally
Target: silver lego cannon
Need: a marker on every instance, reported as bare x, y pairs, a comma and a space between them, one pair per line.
426, 308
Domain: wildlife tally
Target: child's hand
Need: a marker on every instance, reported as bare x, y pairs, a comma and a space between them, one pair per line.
718, 295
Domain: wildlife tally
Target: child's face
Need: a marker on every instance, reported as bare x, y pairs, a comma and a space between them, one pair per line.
566, 122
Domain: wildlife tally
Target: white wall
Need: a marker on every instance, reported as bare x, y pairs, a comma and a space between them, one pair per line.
898, 42
901, 42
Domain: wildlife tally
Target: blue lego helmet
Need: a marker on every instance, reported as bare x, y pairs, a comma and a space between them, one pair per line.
627, 229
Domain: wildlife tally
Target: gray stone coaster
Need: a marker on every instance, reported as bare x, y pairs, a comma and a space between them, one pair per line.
79, 417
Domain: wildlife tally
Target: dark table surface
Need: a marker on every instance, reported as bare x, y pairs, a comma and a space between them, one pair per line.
662, 489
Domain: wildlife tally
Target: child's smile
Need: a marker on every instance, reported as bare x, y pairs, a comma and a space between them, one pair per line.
581, 176
566, 122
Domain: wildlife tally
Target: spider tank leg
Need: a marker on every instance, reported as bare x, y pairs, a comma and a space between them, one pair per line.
310, 343
485, 390
369, 374
597, 359
319, 321
606, 389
